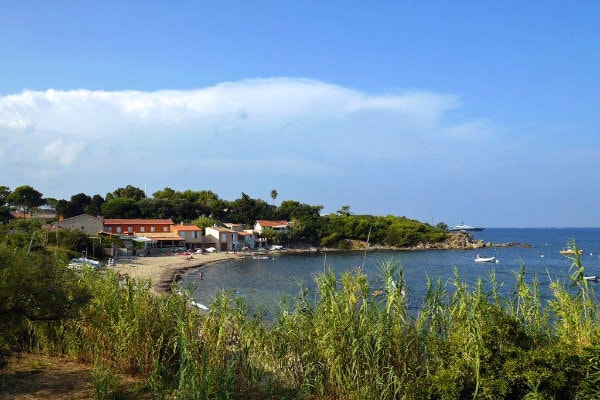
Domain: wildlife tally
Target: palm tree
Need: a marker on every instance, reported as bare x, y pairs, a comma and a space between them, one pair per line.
274, 195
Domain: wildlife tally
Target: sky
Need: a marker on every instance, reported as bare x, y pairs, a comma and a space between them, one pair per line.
481, 112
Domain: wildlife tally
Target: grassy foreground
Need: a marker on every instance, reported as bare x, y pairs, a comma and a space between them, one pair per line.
465, 342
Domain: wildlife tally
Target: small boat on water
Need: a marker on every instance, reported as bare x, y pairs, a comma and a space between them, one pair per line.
570, 252
465, 228
592, 278
480, 258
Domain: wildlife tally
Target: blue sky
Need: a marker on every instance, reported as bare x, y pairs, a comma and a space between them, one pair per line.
476, 111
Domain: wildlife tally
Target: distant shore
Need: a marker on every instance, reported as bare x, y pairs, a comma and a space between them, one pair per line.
163, 270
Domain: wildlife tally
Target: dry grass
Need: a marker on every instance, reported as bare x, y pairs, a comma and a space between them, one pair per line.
35, 376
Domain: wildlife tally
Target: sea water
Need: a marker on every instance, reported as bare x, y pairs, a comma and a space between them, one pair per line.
265, 282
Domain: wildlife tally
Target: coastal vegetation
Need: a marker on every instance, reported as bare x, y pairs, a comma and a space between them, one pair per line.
308, 227
463, 342
349, 340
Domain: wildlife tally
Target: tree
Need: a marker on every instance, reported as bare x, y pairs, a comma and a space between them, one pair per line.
345, 210
274, 195
121, 207
76, 206
289, 209
5, 214
203, 222
95, 207
25, 197
128, 192
35, 287
246, 210
4, 192
166, 193
209, 204
52, 202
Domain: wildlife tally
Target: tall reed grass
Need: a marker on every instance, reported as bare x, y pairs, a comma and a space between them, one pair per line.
463, 343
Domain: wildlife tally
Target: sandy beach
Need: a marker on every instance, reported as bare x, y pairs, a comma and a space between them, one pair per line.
162, 269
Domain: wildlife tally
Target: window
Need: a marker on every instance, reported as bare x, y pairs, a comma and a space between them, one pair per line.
223, 237
153, 229
143, 229
165, 229
118, 229
130, 229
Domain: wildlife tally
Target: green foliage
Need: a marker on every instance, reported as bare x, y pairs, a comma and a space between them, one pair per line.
4, 192
128, 192
5, 215
389, 231
247, 210
76, 243
74, 207
204, 222
342, 342
25, 198
121, 207
35, 288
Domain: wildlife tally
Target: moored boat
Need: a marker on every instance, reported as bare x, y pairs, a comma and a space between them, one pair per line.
465, 228
570, 252
480, 258
592, 278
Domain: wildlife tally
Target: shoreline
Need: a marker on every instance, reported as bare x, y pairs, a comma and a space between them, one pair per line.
163, 270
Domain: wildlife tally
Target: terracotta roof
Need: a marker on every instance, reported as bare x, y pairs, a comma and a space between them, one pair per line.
267, 223
185, 228
138, 222
160, 236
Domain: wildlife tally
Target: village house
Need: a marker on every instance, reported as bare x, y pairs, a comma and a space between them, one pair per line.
131, 226
234, 227
278, 226
248, 239
85, 223
151, 235
191, 234
222, 239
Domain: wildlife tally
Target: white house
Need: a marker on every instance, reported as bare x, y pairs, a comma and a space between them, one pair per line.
278, 226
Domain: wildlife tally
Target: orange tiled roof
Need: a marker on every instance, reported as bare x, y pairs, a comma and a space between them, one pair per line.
185, 228
138, 222
267, 223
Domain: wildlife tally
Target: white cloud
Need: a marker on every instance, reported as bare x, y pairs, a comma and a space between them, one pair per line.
259, 126
64, 154
470, 131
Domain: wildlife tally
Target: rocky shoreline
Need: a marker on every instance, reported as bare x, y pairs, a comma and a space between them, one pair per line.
454, 241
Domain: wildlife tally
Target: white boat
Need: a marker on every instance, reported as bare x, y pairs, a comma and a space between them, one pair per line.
479, 258
570, 252
592, 278
77, 263
465, 228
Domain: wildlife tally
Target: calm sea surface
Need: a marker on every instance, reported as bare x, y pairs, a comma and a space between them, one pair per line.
265, 282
